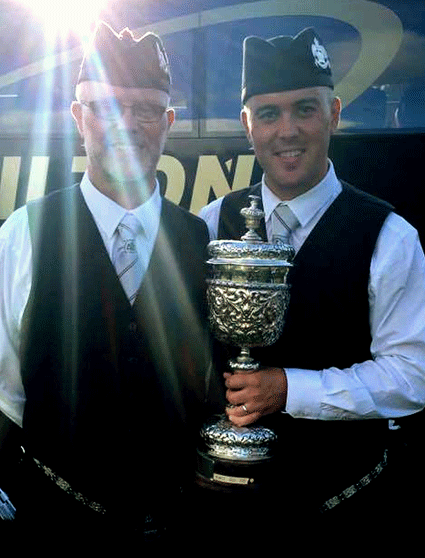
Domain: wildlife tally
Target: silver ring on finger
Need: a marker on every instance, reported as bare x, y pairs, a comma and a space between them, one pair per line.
245, 409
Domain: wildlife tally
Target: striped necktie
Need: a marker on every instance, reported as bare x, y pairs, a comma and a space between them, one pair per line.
284, 222
125, 257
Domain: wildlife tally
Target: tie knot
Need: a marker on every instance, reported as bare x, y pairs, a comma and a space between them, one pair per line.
286, 216
129, 227
284, 222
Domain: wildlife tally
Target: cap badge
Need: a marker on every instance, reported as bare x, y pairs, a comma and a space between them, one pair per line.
320, 55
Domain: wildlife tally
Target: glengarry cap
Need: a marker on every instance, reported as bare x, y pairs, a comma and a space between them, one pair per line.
284, 63
122, 60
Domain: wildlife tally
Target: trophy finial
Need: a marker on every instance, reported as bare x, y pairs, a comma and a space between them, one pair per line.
252, 216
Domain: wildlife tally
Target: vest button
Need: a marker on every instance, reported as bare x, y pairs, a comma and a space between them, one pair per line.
133, 327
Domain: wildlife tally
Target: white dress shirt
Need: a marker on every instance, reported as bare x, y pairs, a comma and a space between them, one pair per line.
392, 384
16, 277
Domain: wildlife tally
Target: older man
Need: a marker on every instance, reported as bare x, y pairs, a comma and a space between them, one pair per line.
103, 353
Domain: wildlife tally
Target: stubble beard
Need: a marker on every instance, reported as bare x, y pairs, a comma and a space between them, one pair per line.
123, 177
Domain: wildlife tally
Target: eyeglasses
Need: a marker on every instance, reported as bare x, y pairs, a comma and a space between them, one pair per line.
112, 109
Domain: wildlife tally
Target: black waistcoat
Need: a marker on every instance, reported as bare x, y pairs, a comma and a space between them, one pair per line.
115, 394
327, 326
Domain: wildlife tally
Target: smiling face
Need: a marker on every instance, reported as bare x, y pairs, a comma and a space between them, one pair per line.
290, 132
122, 149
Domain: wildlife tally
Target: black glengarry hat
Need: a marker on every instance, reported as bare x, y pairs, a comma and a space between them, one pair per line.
284, 63
120, 59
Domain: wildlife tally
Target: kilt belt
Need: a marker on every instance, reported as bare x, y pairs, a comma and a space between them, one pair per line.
66, 487
149, 524
354, 488
328, 505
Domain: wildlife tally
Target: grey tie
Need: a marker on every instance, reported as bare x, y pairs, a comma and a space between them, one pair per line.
125, 257
284, 222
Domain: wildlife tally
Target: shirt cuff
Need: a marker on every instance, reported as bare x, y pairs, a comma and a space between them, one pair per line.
304, 393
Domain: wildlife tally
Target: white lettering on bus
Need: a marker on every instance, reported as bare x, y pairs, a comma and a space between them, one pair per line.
176, 177
9, 185
210, 178
38, 177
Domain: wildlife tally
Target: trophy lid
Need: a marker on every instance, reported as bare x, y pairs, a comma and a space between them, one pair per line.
251, 249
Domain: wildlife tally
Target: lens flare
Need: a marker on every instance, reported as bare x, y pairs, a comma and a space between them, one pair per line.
61, 18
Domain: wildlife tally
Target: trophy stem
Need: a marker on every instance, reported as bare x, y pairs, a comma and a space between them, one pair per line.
244, 361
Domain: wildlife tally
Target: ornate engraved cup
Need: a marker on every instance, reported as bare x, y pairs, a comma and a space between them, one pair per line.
248, 295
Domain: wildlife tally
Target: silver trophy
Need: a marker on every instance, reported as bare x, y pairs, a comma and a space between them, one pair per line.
248, 295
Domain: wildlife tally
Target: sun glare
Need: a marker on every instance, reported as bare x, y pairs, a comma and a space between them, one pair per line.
68, 16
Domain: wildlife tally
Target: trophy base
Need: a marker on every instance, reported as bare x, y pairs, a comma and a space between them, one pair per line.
234, 459
233, 477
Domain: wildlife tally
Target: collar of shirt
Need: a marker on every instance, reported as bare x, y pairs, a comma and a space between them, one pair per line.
308, 207
107, 213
